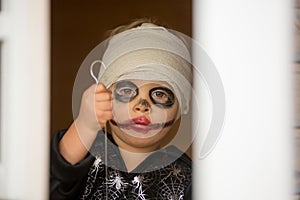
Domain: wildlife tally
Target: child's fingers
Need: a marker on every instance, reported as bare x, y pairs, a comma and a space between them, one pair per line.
103, 106
103, 117
101, 88
103, 96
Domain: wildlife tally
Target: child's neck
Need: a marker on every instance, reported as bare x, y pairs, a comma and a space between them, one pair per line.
131, 159
131, 155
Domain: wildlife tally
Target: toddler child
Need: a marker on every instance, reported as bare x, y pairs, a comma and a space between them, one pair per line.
142, 90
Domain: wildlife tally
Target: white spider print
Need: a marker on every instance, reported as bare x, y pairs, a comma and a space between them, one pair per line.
175, 171
116, 181
96, 164
138, 181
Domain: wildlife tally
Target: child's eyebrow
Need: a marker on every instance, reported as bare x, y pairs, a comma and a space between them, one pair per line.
125, 83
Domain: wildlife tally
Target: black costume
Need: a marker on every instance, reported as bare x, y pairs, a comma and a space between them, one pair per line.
165, 174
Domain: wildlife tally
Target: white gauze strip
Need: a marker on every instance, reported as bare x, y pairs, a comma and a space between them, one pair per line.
147, 49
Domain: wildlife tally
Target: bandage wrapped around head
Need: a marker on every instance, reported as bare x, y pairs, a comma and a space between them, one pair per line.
149, 52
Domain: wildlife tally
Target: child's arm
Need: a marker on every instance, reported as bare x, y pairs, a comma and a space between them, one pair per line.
95, 111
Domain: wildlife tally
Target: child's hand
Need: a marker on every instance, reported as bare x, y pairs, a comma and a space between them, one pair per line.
95, 111
96, 107
103, 104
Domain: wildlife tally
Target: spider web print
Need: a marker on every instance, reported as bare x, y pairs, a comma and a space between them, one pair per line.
115, 185
98, 166
98, 187
109, 182
168, 183
172, 182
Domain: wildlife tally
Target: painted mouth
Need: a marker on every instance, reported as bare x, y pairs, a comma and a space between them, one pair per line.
141, 124
141, 120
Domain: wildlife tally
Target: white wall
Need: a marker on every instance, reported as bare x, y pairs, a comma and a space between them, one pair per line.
250, 44
24, 32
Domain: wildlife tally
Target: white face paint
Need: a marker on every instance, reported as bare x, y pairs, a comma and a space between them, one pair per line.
144, 112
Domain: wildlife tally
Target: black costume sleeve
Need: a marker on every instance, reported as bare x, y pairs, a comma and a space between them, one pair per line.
188, 194
66, 180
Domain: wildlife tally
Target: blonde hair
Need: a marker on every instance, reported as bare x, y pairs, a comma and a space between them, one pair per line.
135, 23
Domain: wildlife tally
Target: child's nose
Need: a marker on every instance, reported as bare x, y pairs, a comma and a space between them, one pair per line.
142, 106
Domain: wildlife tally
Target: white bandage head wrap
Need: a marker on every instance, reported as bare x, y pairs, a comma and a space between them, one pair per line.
149, 52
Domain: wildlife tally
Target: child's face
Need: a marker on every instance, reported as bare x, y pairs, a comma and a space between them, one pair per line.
144, 112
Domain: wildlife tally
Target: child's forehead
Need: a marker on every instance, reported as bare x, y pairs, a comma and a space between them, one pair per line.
151, 83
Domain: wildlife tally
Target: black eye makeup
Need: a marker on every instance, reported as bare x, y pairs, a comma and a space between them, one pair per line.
125, 91
162, 97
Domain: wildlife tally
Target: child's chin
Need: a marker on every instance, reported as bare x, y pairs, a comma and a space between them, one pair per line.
141, 133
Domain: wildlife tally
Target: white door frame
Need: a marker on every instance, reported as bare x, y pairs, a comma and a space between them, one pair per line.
25, 99
250, 43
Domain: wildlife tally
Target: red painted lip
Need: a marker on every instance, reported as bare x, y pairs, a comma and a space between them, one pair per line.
141, 124
142, 120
